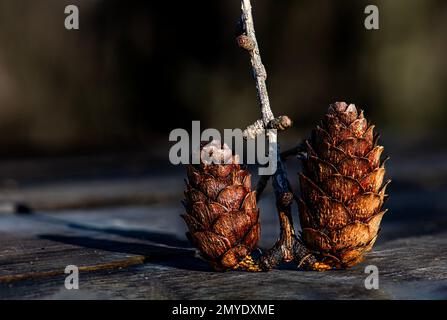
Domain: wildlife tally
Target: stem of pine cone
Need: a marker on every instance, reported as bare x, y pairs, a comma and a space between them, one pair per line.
288, 247
297, 151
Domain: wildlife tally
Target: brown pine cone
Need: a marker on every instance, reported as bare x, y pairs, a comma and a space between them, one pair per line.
342, 189
221, 211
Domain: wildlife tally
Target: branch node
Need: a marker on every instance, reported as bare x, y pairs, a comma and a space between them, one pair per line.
285, 199
280, 123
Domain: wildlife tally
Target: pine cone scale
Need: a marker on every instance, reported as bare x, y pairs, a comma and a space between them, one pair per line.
232, 196
374, 156
233, 256
354, 167
212, 244
252, 236
233, 226
373, 181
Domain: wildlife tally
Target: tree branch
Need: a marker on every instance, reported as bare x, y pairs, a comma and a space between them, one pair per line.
288, 247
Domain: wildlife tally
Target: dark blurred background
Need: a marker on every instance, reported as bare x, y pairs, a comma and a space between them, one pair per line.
135, 70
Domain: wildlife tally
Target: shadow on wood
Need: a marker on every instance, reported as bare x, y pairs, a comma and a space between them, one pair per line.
180, 258
153, 236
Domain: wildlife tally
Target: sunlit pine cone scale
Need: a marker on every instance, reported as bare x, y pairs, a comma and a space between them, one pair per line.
221, 213
342, 190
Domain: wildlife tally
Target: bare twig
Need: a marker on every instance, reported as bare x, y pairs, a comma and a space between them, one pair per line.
287, 247
258, 69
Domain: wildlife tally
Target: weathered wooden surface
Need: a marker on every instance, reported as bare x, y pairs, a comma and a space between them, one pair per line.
130, 258
139, 251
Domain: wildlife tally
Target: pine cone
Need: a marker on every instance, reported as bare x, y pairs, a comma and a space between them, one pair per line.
221, 211
341, 189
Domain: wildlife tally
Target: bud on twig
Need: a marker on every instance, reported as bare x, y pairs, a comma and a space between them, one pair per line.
245, 42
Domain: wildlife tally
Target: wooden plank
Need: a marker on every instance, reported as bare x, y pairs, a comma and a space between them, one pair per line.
42, 245
35, 258
414, 268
